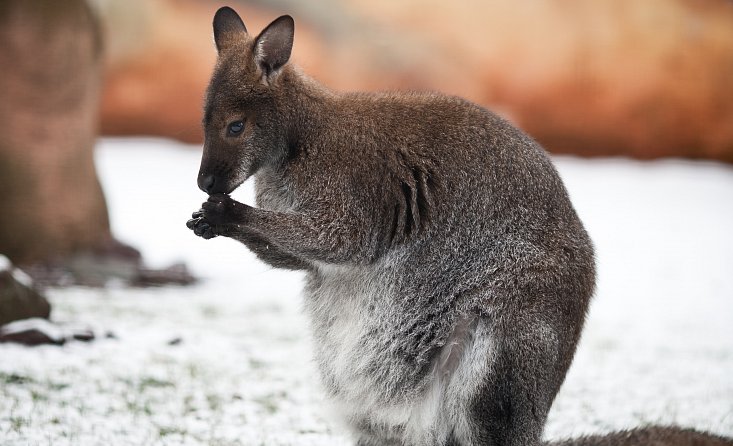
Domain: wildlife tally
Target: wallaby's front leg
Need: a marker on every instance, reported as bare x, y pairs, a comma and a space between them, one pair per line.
224, 216
316, 236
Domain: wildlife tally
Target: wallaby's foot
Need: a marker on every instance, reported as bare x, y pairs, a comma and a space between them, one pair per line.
216, 215
650, 436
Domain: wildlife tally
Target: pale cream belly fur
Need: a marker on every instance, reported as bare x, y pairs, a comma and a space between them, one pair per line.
350, 316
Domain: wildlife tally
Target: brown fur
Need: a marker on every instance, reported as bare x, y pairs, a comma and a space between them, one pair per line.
430, 229
651, 436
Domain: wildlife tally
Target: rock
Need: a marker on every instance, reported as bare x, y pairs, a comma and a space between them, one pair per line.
84, 335
110, 260
32, 332
176, 274
18, 297
36, 331
112, 263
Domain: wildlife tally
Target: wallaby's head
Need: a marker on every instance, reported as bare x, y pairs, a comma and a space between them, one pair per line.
243, 116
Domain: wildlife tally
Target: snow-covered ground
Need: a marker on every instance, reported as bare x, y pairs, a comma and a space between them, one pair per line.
227, 362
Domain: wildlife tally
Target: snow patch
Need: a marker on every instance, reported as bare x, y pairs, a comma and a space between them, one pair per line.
50, 329
21, 277
657, 347
5, 264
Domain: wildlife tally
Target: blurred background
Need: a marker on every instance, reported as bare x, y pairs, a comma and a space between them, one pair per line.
100, 139
644, 79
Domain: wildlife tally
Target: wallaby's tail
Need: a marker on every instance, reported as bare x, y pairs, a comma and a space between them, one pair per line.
649, 436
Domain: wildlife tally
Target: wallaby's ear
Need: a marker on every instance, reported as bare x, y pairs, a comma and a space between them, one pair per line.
274, 44
228, 28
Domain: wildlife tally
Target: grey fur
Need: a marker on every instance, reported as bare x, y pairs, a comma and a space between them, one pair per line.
650, 436
448, 275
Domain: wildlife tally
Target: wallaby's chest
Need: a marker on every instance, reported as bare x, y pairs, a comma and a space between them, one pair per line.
274, 192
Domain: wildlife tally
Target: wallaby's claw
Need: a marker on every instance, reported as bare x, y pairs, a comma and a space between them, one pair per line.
200, 226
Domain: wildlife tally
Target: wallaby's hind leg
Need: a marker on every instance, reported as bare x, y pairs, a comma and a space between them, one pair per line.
513, 371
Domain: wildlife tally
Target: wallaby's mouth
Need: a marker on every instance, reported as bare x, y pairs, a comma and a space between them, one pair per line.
216, 184
219, 178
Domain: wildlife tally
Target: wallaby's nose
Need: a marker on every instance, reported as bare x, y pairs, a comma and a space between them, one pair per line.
206, 183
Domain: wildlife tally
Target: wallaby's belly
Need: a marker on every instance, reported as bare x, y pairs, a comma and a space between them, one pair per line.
363, 358
369, 354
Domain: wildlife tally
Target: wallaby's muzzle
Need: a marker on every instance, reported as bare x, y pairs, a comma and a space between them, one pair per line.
208, 183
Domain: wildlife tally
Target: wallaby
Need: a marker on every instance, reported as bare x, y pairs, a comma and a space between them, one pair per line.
448, 275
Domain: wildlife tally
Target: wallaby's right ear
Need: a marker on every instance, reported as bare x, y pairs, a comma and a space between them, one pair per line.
228, 28
274, 45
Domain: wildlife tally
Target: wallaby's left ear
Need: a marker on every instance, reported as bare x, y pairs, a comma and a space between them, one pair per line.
228, 28
274, 44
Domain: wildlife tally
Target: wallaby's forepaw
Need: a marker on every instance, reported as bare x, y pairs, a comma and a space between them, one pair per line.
215, 215
200, 225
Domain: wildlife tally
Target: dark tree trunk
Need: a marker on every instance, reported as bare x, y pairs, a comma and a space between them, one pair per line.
51, 203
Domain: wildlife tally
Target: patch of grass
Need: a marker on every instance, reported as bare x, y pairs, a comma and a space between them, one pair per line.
150, 381
37, 396
138, 407
14, 378
17, 423
194, 370
268, 403
164, 431
256, 364
147, 408
55, 386
214, 402
210, 311
188, 405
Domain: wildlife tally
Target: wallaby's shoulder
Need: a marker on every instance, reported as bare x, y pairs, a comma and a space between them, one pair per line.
385, 123
410, 109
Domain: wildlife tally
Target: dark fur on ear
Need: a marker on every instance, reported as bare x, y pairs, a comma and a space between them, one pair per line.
274, 45
228, 28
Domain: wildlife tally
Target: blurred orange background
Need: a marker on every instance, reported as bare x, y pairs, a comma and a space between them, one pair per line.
609, 77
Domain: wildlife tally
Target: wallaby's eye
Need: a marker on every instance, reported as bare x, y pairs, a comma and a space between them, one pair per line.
235, 128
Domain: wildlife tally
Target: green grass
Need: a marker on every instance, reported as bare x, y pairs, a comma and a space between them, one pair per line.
150, 381
13, 378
